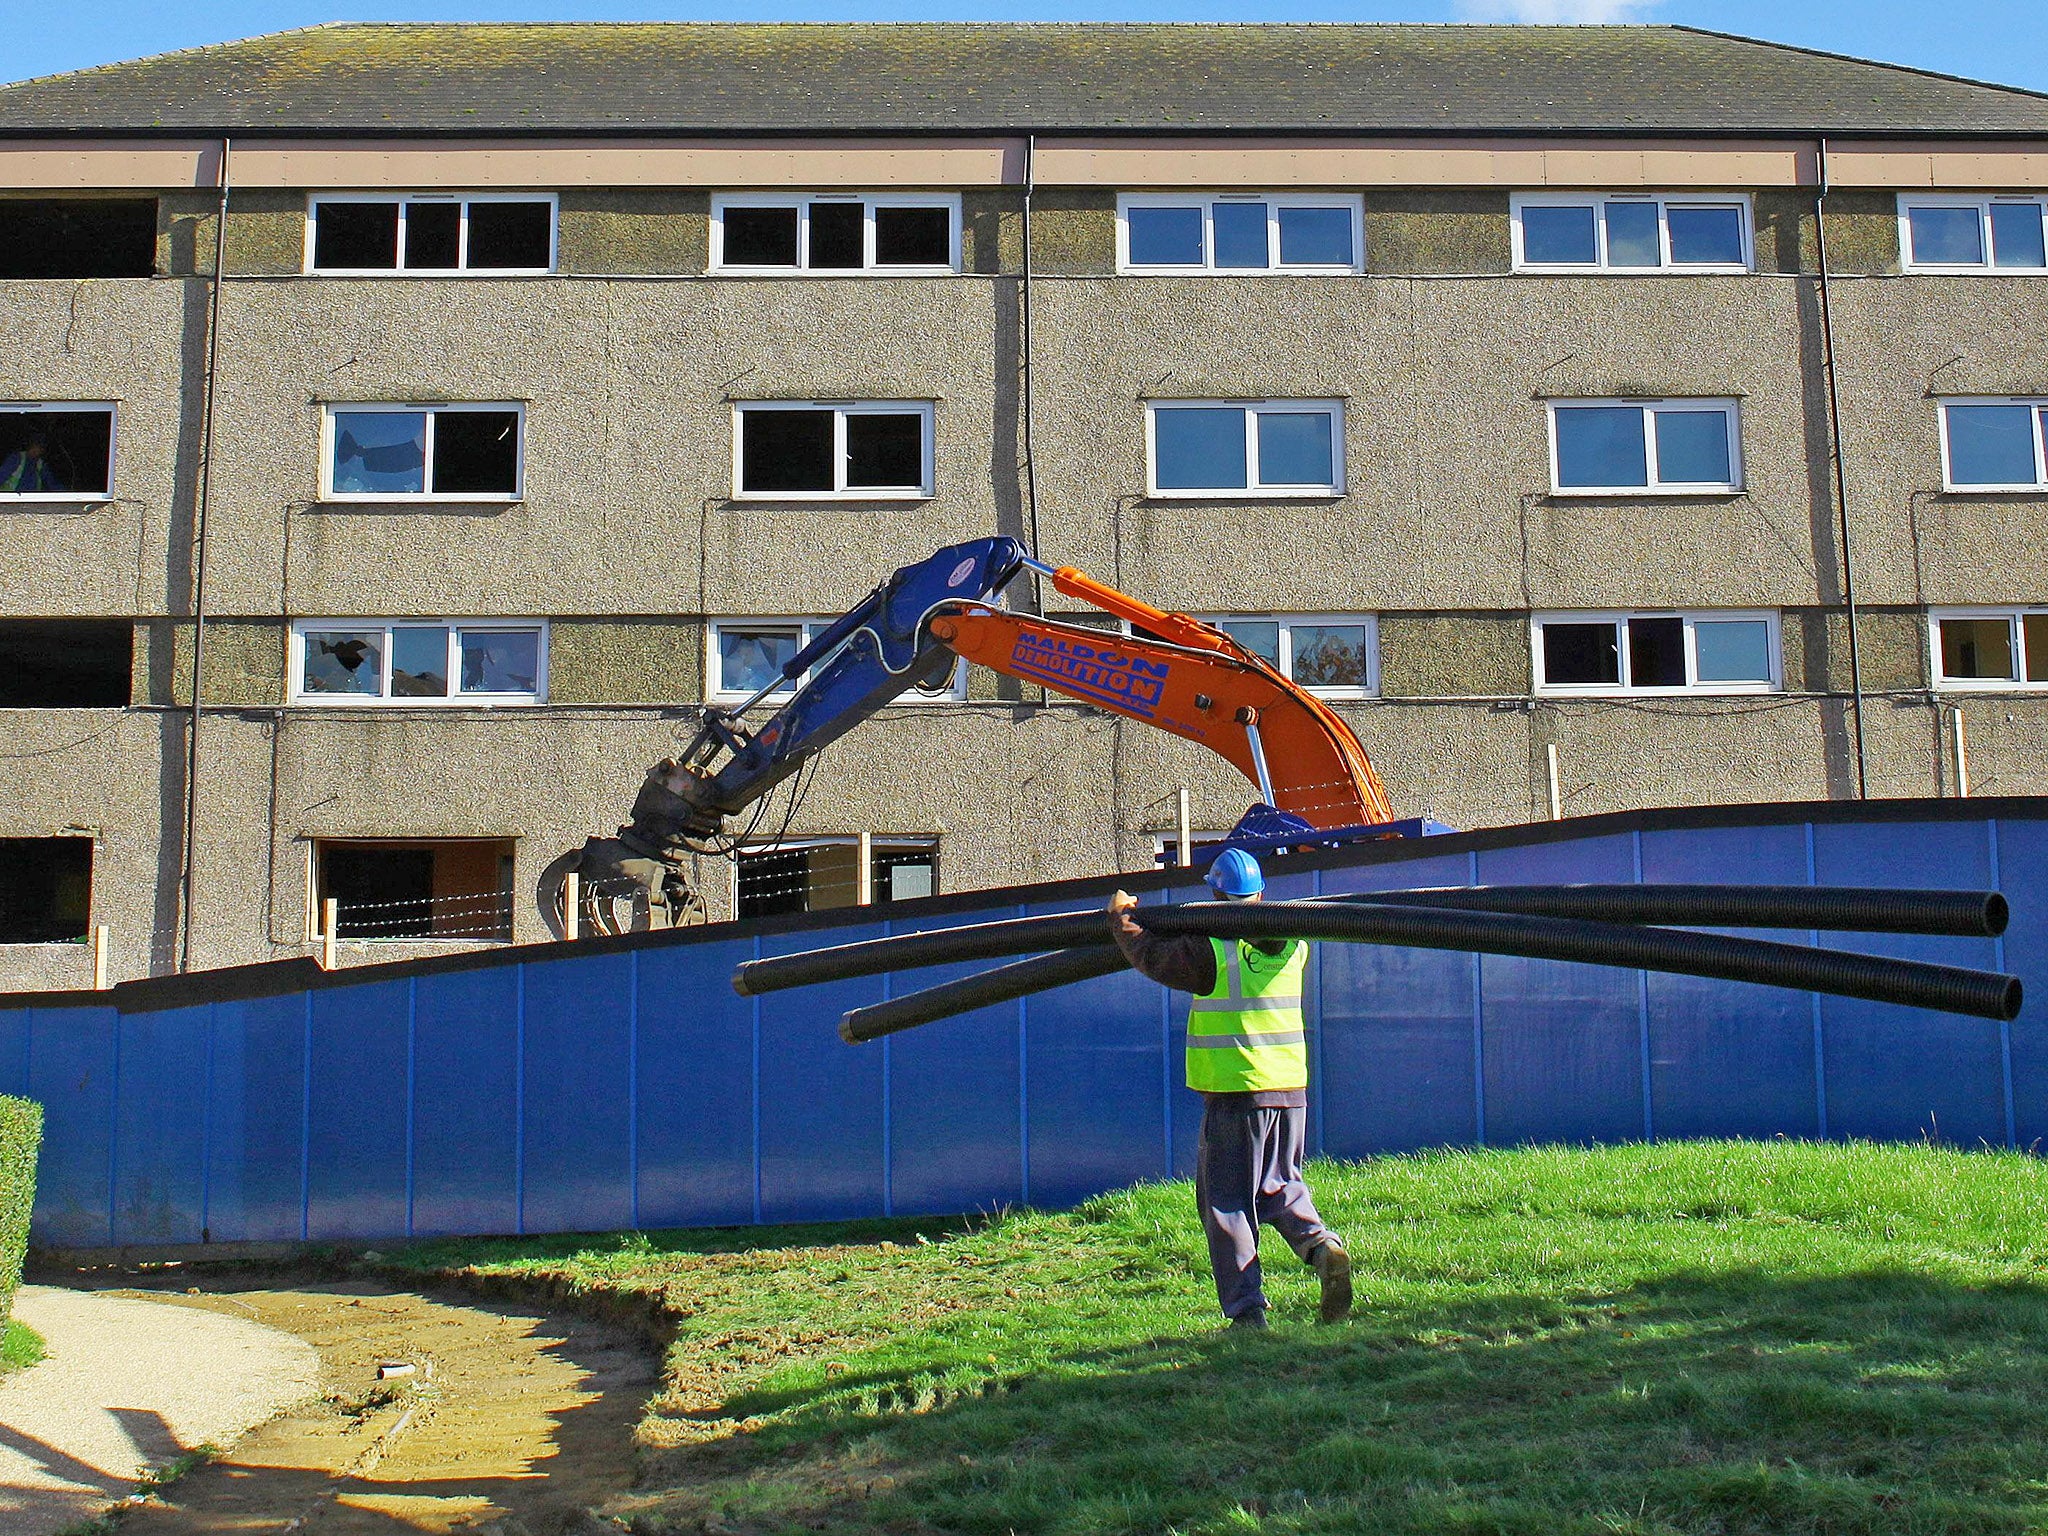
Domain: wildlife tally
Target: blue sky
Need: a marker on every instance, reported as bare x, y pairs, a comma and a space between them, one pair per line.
2002, 40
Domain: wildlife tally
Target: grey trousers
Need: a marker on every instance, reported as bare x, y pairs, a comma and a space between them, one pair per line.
1247, 1171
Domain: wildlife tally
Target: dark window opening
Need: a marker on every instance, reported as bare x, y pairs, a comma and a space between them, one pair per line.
355, 236
433, 236
760, 237
454, 888
1656, 653
824, 876
837, 236
45, 889
913, 237
53, 452
476, 451
511, 234
885, 452
78, 237
1580, 653
65, 663
786, 451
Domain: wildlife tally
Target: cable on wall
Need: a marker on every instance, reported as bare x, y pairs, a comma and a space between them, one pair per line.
1827, 331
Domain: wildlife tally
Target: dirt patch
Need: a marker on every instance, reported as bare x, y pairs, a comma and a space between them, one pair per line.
516, 1417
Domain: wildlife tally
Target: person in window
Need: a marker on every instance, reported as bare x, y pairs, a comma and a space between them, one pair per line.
28, 469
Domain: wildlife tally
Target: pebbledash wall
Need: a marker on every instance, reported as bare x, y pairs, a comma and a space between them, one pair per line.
622, 1084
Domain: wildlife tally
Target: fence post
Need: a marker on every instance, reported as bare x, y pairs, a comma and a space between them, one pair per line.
1180, 824
864, 877
1556, 799
330, 919
572, 906
1962, 746
100, 938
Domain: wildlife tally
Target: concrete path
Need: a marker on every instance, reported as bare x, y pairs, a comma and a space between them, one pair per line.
127, 1384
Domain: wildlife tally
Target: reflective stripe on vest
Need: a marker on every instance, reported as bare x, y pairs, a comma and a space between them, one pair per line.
1246, 1033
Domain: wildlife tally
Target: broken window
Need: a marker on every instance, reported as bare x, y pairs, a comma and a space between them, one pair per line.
1712, 652
1991, 647
846, 233
748, 655
77, 237
1336, 655
432, 234
819, 874
479, 661
442, 888
65, 663
418, 452
60, 451
45, 889
867, 450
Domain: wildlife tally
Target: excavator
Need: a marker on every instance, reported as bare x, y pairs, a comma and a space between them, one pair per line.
1168, 671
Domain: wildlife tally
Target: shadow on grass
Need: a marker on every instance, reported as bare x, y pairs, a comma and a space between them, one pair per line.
1736, 1402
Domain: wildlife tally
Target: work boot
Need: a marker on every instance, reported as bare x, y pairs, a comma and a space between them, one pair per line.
1333, 1268
1254, 1319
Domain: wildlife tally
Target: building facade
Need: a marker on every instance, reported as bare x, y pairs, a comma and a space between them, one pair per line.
1660, 411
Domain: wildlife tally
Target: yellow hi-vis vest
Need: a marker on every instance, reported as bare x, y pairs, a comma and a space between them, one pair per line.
1245, 1034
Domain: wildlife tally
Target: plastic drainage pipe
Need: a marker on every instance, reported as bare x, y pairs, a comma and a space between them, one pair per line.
1840, 909
1004, 984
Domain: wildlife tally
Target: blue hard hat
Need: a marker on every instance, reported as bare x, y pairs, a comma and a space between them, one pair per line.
1235, 875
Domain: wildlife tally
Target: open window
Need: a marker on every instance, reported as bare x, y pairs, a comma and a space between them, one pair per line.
1990, 648
859, 451
1716, 651
428, 888
784, 234
815, 874
45, 889
419, 661
366, 234
56, 452
422, 452
77, 237
66, 663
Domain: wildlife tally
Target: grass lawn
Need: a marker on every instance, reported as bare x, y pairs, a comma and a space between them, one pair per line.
20, 1345
1688, 1337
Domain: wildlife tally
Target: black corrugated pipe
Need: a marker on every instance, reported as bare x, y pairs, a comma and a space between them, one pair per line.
1974, 914
1004, 984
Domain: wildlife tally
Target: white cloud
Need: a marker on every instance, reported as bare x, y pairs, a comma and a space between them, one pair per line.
1553, 12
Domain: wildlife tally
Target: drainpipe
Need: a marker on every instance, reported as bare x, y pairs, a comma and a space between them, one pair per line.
1827, 330
202, 496
1024, 338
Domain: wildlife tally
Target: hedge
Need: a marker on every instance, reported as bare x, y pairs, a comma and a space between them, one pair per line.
21, 1133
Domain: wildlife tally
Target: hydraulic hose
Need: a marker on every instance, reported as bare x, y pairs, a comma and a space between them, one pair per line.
1004, 984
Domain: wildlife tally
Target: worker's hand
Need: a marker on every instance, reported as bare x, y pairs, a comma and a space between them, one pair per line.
1121, 905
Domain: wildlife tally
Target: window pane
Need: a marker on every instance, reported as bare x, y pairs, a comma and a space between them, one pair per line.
345, 661
1560, 236
836, 236
352, 235
510, 234
380, 453
913, 237
476, 452
760, 237
1976, 648
1165, 237
2016, 235
419, 663
1692, 448
1706, 235
885, 452
1991, 445
1259, 636
1601, 445
1656, 653
1318, 237
1946, 236
500, 660
786, 451
1295, 448
1580, 653
2036, 631
1329, 655
1632, 235
1732, 650
49, 452
903, 876
752, 657
433, 235
1241, 235
1199, 449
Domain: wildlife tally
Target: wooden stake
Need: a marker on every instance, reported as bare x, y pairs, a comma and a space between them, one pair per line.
330, 919
864, 879
99, 957
1556, 799
572, 906
1962, 745
1180, 822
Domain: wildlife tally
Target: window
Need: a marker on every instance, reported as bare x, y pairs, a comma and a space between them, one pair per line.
56, 452
1972, 234
45, 889
1245, 447
1990, 647
1243, 234
1994, 445
367, 234
1335, 655
78, 237
819, 873
1589, 232
748, 655
1606, 446
1711, 652
65, 663
912, 233
423, 453
444, 888
793, 451
425, 661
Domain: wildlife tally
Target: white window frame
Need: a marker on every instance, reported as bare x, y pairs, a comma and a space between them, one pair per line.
2035, 404
461, 269
878, 842
1288, 622
809, 628
329, 409
1620, 618
869, 201
1274, 201
1729, 405
2015, 616
1982, 203
56, 407
1252, 489
841, 409
1665, 202
455, 698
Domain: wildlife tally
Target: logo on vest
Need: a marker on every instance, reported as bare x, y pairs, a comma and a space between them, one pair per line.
1098, 672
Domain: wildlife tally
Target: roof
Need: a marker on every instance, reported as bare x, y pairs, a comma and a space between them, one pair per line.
710, 78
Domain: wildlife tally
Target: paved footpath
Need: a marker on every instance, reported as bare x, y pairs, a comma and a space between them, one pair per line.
127, 1384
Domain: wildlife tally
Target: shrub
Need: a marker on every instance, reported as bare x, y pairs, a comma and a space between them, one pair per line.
21, 1133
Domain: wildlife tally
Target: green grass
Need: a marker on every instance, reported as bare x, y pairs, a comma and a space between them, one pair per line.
1702, 1338
20, 1345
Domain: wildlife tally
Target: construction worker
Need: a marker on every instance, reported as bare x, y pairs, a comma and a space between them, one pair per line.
1248, 1058
26, 469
